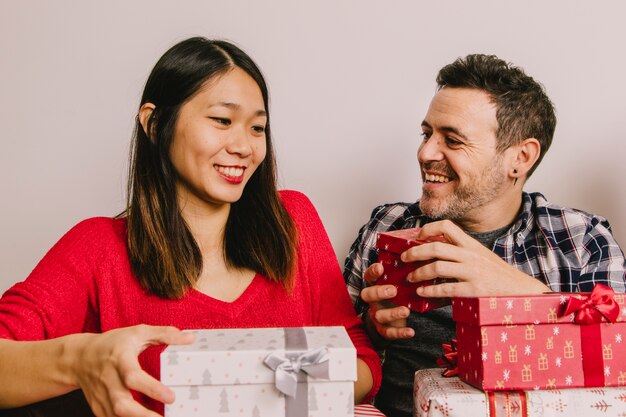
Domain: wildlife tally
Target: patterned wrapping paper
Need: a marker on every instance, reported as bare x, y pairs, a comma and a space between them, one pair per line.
437, 396
223, 373
526, 343
390, 245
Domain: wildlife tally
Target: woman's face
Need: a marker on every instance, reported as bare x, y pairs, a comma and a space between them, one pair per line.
219, 140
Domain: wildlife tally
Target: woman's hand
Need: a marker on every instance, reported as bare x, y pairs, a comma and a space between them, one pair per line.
106, 367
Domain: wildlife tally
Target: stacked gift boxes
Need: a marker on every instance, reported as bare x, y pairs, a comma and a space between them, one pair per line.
268, 372
390, 246
438, 396
529, 343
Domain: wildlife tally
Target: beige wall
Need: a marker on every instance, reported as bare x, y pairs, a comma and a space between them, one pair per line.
350, 81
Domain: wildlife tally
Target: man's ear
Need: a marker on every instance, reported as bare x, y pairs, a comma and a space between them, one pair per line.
525, 156
145, 113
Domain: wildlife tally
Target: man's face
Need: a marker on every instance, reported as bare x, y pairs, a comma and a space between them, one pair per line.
462, 173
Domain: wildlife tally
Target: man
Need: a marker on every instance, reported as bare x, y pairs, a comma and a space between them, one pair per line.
486, 130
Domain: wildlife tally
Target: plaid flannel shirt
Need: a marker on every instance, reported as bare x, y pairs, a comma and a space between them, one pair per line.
568, 249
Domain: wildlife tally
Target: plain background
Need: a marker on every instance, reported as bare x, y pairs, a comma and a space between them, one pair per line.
350, 82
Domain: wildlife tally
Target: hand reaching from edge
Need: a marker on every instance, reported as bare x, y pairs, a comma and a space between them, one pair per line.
106, 367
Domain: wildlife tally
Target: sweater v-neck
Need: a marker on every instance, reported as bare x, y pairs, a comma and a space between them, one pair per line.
257, 286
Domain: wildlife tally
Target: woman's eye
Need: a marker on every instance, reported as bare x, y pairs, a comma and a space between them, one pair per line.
258, 129
221, 120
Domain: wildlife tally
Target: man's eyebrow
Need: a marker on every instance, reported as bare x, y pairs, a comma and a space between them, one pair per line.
453, 130
449, 129
235, 106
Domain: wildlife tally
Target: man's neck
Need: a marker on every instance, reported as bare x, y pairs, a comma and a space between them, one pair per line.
493, 216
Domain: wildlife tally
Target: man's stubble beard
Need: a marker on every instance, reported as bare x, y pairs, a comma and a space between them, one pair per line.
479, 191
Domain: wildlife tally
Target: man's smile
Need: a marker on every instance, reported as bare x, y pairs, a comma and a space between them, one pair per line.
436, 178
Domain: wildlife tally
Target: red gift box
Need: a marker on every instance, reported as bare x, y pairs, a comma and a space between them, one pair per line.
390, 245
534, 342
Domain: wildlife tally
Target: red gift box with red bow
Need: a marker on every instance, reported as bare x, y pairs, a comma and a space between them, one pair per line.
548, 341
390, 246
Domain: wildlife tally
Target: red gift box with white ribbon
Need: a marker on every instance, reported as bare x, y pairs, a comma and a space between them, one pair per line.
548, 341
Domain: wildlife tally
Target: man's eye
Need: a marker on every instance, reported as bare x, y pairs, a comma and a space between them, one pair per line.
221, 120
453, 142
426, 135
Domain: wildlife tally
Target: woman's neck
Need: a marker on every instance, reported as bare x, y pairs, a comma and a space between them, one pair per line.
218, 279
207, 224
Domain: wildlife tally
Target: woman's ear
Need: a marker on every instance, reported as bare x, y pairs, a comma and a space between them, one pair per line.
525, 156
145, 113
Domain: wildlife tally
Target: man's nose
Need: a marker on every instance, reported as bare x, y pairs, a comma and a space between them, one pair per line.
431, 149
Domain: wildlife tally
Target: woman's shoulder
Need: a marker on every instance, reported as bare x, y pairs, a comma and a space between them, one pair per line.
295, 201
100, 224
288, 196
98, 230
88, 245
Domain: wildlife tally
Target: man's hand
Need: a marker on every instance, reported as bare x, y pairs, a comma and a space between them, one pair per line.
387, 320
477, 270
106, 368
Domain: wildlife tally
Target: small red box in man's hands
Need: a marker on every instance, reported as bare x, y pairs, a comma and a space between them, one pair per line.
390, 245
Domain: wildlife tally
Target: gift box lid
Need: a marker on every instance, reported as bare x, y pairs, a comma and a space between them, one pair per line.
236, 356
397, 241
521, 309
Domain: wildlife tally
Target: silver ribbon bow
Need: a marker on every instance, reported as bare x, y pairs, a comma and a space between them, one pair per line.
287, 369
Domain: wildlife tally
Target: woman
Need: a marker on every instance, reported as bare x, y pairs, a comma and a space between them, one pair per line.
206, 241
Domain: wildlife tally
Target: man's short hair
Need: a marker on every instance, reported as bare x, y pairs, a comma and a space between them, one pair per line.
523, 109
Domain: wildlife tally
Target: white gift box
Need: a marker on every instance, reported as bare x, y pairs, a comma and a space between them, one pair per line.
438, 396
267, 372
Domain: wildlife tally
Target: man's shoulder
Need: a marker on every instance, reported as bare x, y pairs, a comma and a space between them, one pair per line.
392, 212
554, 216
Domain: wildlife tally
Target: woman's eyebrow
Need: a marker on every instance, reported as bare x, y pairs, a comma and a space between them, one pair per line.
235, 106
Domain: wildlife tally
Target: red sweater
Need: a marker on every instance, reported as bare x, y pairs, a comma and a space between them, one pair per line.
85, 284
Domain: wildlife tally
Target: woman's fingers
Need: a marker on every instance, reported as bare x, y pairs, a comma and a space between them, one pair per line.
109, 368
161, 335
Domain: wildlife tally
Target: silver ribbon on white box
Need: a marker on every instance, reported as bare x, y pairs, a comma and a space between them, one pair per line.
294, 367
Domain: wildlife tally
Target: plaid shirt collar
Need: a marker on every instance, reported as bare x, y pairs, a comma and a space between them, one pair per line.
523, 226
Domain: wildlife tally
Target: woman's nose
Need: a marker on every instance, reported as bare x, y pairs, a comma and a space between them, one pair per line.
239, 142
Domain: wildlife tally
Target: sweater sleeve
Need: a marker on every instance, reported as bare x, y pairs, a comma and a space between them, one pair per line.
329, 297
55, 298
